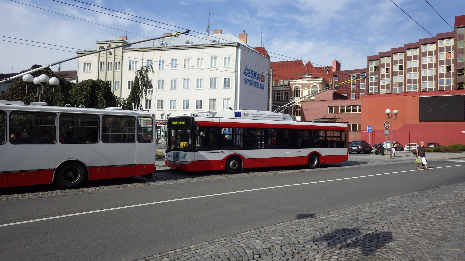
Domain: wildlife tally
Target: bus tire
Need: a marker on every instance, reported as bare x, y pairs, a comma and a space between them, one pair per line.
70, 175
313, 161
233, 165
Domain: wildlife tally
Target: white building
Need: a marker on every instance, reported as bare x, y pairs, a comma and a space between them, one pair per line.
190, 73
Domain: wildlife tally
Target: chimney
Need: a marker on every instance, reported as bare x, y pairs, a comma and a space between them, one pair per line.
336, 66
166, 34
124, 38
217, 31
243, 37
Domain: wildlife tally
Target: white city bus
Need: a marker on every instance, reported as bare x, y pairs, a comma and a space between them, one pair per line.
67, 145
234, 140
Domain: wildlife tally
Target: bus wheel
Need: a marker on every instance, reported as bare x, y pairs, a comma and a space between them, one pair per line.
313, 161
233, 165
70, 175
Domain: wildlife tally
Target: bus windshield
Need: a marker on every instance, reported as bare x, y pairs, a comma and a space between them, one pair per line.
180, 139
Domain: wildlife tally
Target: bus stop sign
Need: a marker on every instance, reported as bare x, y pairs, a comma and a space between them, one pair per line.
386, 125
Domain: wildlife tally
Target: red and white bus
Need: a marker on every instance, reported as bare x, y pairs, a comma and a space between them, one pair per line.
68, 146
235, 140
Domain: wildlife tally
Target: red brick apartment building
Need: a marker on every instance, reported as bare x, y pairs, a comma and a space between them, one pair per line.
423, 80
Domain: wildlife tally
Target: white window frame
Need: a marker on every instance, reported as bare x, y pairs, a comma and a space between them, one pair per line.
173, 84
226, 103
161, 85
116, 86
227, 61
148, 104
186, 84
109, 66
199, 84
161, 64
185, 104
227, 83
187, 63
174, 63
117, 66
213, 83
199, 104
213, 61
130, 84
172, 104
160, 105
133, 65
101, 66
200, 62
212, 104
86, 67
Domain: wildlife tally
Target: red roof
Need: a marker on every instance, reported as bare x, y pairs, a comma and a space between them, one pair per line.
287, 70
263, 51
459, 20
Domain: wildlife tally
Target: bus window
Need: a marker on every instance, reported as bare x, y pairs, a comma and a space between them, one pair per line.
32, 127
79, 128
118, 129
2, 127
180, 139
144, 129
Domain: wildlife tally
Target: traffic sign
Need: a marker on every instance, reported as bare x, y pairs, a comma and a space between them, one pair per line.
386, 125
369, 129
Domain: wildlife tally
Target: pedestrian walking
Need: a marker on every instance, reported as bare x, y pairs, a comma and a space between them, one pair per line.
421, 151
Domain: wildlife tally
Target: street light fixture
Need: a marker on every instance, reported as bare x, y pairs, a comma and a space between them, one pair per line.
41, 80
390, 116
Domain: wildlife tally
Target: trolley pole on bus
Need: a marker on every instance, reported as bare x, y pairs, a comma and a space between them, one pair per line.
390, 116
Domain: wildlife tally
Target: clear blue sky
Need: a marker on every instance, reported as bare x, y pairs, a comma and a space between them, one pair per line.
315, 30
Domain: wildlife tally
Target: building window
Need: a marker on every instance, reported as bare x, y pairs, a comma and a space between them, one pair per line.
133, 65
446, 42
187, 63
362, 85
87, 67
353, 127
412, 52
297, 111
185, 104
374, 78
149, 63
373, 89
226, 104
148, 104
174, 63
159, 104
385, 59
198, 104
227, 61
116, 85
373, 65
398, 56
412, 75
212, 83
397, 89
212, 104
199, 84
297, 91
199, 62
101, 66
161, 64
130, 84
335, 78
109, 66
428, 47
172, 104
213, 62
117, 66
227, 83
413, 63
460, 44
186, 83
412, 87
445, 81
427, 85
173, 84
277, 96
161, 84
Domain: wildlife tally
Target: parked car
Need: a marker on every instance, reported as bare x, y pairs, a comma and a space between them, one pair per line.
398, 146
432, 145
387, 145
359, 146
410, 146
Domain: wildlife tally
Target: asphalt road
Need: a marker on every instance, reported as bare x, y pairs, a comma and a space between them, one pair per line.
130, 223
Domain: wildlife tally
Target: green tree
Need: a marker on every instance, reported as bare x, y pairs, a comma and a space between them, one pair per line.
93, 94
142, 85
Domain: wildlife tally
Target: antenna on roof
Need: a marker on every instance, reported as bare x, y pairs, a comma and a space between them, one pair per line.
208, 25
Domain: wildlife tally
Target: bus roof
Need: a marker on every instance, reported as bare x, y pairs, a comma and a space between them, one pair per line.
41, 107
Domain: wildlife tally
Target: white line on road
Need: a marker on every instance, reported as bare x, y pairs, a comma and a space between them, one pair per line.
183, 199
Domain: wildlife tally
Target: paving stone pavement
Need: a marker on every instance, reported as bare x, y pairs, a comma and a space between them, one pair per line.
425, 225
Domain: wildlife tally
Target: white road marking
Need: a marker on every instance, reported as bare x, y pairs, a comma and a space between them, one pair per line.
193, 197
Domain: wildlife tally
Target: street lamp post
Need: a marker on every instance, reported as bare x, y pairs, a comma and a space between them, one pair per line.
40, 81
390, 116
